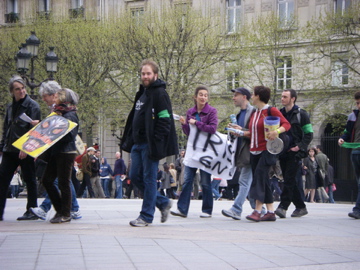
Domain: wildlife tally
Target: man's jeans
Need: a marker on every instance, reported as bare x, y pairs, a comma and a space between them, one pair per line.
143, 174
105, 183
119, 187
207, 198
245, 180
355, 159
215, 188
46, 204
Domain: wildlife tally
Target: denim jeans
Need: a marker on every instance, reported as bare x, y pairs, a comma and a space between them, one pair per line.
46, 204
355, 159
205, 181
105, 182
215, 188
245, 180
143, 174
119, 188
14, 191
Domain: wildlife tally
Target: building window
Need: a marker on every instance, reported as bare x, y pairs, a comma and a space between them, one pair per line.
340, 73
341, 6
233, 15
77, 9
284, 73
137, 14
76, 3
12, 14
44, 5
285, 11
233, 79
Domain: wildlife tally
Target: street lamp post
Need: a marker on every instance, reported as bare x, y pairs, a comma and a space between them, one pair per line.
113, 130
26, 55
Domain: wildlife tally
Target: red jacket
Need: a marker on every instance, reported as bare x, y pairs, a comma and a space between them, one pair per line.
257, 133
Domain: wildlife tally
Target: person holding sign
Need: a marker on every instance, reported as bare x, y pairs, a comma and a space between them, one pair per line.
204, 117
14, 127
260, 158
61, 158
351, 139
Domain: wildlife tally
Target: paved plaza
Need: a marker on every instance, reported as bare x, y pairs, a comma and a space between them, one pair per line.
325, 239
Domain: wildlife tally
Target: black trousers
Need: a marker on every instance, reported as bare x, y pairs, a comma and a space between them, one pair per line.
59, 166
10, 162
291, 194
86, 183
261, 186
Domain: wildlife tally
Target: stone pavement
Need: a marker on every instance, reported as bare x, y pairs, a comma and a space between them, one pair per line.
325, 239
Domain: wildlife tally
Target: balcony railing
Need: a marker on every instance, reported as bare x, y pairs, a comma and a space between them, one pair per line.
12, 17
44, 15
77, 13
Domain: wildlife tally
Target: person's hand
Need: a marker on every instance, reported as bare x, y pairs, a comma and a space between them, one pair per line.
305, 168
22, 155
192, 121
341, 141
35, 122
182, 120
295, 149
272, 135
234, 126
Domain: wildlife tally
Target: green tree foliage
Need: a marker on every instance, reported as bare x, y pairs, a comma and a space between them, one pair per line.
335, 57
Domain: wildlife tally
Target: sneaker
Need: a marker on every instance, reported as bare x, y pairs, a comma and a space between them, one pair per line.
39, 212
280, 212
355, 214
60, 219
255, 216
299, 212
205, 215
165, 212
231, 214
178, 213
28, 215
139, 222
76, 214
268, 217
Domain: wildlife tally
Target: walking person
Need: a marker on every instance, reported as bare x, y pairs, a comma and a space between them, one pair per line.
300, 136
241, 99
47, 91
166, 181
62, 156
105, 176
15, 183
150, 136
95, 175
204, 117
351, 139
13, 128
310, 168
119, 175
260, 159
86, 169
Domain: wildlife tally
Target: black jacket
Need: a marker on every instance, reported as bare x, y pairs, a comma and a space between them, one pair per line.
160, 131
301, 133
67, 143
14, 127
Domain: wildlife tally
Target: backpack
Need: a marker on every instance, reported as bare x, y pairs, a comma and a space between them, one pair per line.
283, 136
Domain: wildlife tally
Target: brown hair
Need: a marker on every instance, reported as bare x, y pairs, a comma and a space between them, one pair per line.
153, 64
263, 92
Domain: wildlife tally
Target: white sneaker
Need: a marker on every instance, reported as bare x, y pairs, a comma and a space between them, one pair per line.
76, 215
39, 212
205, 215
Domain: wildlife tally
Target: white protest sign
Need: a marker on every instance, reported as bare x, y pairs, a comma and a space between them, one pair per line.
212, 153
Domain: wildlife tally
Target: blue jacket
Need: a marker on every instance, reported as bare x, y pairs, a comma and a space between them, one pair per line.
105, 169
119, 167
